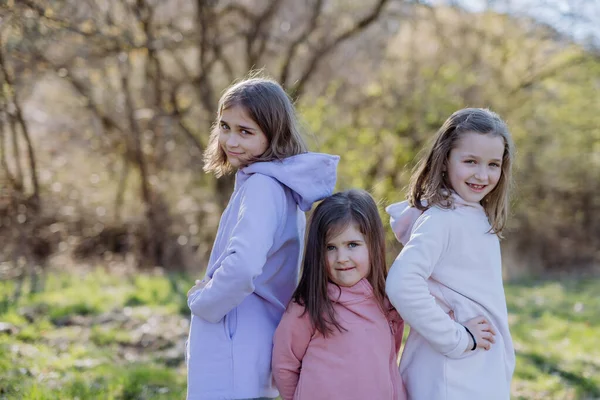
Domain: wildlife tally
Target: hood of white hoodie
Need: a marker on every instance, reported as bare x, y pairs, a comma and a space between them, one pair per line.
402, 219
403, 216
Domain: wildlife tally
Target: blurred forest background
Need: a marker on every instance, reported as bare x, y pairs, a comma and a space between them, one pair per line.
106, 107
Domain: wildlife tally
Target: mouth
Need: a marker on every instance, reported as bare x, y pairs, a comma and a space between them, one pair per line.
344, 269
233, 153
476, 188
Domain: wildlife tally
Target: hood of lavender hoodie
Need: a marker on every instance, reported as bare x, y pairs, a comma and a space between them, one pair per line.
251, 275
309, 176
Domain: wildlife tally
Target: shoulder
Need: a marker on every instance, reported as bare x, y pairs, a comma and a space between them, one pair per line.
264, 189
263, 182
296, 310
436, 225
296, 315
436, 218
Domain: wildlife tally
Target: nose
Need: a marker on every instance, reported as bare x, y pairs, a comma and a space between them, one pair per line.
231, 141
342, 256
481, 173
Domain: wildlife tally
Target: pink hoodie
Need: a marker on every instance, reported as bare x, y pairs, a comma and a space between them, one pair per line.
360, 363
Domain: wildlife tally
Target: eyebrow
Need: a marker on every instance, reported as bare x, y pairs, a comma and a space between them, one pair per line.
473, 156
247, 128
349, 241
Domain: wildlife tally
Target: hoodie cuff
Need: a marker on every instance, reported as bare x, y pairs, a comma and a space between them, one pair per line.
191, 300
462, 345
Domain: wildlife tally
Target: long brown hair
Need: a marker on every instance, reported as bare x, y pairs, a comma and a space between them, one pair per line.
331, 217
271, 108
430, 186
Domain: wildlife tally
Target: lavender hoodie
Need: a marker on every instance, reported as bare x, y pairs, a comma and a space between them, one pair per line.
251, 274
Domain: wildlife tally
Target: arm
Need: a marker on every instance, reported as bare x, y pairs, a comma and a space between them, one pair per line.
289, 346
261, 209
407, 289
398, 333
397, 324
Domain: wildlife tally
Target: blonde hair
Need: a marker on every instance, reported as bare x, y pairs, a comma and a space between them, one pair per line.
271, 108
430, 186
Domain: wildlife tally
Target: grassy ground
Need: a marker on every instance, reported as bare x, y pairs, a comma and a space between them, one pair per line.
105, 337
556, 326
96, 337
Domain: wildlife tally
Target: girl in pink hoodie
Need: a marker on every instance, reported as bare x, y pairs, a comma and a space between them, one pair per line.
339, 337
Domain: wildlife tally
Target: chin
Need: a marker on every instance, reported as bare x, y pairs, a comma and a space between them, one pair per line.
468, 195
235, 163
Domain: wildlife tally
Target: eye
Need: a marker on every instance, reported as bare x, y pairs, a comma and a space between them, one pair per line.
353, 245
330, 248
224, 126
245, 132
495, 165
469, 161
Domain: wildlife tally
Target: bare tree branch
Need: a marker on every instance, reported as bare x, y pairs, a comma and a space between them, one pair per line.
549, 72
107, 122
24, 131
291, 52
319, 53
121, 187
59, 22
259, 33
237, 8
178, 114
204, 15
3, 161
154, 74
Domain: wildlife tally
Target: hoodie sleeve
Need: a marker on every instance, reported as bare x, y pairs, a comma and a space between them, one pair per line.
407, 289
261, 209
398, 329
290, 342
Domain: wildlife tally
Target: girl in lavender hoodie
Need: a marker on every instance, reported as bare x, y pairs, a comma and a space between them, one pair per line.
339, 338
447, 281
254, 264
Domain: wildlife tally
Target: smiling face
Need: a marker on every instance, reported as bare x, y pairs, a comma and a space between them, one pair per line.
240, 137
474, 166
347, 257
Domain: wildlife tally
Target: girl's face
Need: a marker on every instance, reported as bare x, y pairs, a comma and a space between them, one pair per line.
475, 165
240, 137
347, 257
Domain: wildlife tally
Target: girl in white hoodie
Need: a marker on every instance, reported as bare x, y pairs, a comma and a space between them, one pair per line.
447, 281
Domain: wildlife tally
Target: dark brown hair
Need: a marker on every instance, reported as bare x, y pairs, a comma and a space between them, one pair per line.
430, 184
271, 108
331, 217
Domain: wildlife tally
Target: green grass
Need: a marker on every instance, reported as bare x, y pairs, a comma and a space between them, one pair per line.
97, 336
555, 327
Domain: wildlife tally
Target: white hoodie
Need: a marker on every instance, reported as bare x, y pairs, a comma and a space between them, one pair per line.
450, 262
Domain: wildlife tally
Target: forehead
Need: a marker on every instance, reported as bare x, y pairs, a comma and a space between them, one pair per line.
236, 114
480, 145
345, 232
